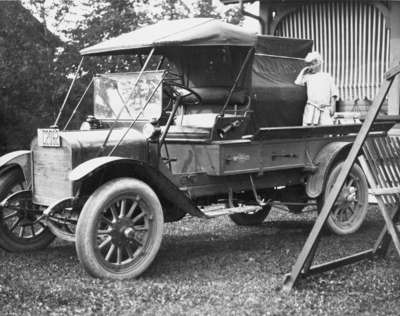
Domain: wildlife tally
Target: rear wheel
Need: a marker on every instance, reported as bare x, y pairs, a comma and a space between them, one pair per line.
19, 230
119, 230
251, 219
351, 206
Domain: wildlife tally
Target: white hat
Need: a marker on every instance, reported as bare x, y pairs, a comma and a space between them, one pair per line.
313, 56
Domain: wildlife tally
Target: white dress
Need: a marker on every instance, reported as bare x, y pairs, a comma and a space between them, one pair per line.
320, 89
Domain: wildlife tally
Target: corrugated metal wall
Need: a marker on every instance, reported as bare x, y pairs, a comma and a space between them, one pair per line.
352, 38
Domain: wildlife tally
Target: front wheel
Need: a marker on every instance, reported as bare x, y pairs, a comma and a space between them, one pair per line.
19, 229
351, 206
120, 229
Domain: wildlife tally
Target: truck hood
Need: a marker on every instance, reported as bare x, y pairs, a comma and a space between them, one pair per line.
90, 142
85, 145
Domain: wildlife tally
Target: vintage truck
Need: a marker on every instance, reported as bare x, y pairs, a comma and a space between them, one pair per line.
210, 126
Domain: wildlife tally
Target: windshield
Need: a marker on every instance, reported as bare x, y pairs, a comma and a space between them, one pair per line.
121, 93
116, 92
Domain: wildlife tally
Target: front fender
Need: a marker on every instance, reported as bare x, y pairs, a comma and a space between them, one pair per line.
324, 160
84, 169
20, 158
168, 193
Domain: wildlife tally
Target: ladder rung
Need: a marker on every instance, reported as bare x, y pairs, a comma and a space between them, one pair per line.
384, 191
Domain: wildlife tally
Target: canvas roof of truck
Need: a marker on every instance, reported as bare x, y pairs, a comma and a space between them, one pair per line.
194, 32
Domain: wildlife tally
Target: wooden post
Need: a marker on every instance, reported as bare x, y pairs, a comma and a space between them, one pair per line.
394, 25
266, 16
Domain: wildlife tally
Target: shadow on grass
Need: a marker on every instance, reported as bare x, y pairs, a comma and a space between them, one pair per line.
272, 247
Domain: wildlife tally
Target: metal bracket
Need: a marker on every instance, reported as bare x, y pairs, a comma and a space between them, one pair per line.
259, 201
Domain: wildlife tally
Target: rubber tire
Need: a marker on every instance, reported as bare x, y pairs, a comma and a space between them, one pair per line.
246, 219
7, 181
330, 223
87, 220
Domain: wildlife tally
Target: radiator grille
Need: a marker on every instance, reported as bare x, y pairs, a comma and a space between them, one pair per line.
51, 167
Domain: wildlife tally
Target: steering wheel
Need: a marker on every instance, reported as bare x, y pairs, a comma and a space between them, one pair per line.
174, 89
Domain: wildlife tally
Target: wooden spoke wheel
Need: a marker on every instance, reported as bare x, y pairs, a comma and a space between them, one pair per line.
251, 219
119, 230
19, 230
351, 206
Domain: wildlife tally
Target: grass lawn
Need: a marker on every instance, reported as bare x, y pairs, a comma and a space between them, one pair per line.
209, 268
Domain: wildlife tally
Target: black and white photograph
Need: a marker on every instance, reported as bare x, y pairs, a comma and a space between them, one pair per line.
199, 157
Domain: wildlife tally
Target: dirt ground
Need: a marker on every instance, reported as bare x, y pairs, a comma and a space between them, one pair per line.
210, 268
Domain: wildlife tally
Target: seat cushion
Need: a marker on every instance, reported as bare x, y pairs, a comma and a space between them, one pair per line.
202, 120
218, 95
188, 132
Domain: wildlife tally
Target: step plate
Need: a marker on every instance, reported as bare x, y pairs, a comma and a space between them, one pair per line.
214, 211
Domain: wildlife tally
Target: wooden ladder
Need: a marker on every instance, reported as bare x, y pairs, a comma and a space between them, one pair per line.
385, 191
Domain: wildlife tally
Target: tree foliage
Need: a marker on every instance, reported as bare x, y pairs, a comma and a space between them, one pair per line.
36, 67
32, 75
205, 8
233, 15
171, 10
108, 19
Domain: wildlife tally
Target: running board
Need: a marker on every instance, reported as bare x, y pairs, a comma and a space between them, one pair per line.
218, 210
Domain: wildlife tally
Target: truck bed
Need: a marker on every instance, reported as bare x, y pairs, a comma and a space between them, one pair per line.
265, 133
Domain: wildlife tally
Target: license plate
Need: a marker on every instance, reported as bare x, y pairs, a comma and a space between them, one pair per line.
49, 137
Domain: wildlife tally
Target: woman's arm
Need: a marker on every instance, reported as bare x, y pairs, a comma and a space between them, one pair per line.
300, 80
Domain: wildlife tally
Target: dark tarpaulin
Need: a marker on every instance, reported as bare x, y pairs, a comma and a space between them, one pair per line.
282, 46
278, 101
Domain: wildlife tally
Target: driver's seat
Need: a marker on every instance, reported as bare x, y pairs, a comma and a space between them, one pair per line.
218, 95
213, 98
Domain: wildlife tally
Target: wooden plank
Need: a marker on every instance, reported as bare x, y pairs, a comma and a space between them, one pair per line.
381, 157
340, 262
391, 73
389, 224
376, 171
395, 153
391, 163
385, 191
393, 159
368, 173
386, 160
396, 148
396, 161
312, 131
377, 159
371, 162
383, 118
382, 243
